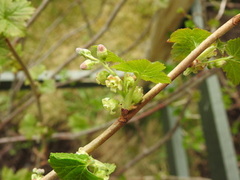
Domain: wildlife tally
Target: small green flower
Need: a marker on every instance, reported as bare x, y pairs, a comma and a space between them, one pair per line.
88, 64
114, 83
111, 105
102, 77
102, 52
129, 80
137, 95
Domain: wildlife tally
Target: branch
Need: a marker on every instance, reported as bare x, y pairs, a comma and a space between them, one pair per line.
16, 112
95, 38
38, 11
157, 145
138, 40
179, 69
25, 70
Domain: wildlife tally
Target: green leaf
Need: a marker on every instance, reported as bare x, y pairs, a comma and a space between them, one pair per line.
146, 70
186, 40
9, 174
36, 71
112, 57
48, 86
77, 122
4, 51
233, 48
232, 69
79, 167
13, 15
29, 127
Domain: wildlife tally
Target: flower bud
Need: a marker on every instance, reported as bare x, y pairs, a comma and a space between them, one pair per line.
110, 105
83, 52
87, 64
219, 64
137, 95
102, 52
102, 77
187, 71
129, 80
114, 83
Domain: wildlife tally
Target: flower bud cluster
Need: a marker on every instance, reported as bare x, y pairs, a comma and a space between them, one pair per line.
91, 61
126, 87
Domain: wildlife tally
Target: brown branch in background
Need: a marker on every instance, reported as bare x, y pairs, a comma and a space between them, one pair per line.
85, 17
48, 30
157, 145
95, 37
38, 11
19, 110
138, 40
28, 76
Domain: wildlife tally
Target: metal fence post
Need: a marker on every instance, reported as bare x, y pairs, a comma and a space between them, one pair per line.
221, 155
177, 159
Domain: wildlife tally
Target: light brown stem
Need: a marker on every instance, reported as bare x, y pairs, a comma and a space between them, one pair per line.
179, 69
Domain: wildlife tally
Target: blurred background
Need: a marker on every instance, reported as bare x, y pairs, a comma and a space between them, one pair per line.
70, 112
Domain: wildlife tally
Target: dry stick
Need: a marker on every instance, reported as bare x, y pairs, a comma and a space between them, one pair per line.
16, 112
40, 8
158, 144
95, 38
138, 40
85, 17
26, 72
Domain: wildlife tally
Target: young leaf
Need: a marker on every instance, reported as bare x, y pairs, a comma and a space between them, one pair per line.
233, 48
13, 15
70, 166
112, 57
29, 127
48, 86
146, 70
9, 174
186, 40
232, 69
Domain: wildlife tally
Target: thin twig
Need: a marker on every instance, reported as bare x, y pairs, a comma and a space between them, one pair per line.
85, 17
26, 72
38, 11
45, 35
221, 9
157, 145
95, 38
16, 112
138, 40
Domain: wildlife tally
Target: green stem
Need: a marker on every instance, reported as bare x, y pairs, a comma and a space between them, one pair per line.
128, 98
220, 59
108, 68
